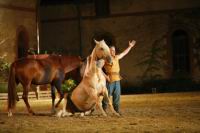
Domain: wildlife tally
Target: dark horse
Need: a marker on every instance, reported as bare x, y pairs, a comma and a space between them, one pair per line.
39, 71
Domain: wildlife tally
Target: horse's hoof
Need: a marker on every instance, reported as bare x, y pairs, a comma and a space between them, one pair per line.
59, 114
118, 114
88, 113
53, 111
66, 114
104, 114
82, 114
62, 113
10, 114
31, 112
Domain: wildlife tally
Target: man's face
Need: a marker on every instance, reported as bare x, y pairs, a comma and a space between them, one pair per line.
112, 51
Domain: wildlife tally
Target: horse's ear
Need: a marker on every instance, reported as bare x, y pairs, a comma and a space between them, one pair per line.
97, 42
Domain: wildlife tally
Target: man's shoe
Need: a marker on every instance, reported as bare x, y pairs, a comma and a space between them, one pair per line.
119, 113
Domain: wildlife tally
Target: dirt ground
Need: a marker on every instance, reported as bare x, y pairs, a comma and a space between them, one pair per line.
147, 113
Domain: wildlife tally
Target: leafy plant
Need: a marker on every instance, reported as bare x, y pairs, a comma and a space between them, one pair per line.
4, 69
68, 85
153, 61
32, 51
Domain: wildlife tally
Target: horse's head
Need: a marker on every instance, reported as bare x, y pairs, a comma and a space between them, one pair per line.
102, 51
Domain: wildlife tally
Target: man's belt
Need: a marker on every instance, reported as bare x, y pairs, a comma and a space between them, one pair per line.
113, 73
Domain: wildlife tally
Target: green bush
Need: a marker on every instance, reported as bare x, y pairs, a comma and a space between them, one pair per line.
68, 85
4, 69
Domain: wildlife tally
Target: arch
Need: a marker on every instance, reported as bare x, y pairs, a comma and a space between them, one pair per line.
107, 36
180, 53
22, 42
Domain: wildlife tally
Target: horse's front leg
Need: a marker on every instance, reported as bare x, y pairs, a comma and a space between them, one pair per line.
63, 112
53, 96
108, 100
25, 98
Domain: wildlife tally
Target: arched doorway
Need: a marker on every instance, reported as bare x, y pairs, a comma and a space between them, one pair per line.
108, 37
180, 53
22, 42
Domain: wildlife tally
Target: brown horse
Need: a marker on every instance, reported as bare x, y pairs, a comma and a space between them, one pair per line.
92, 88
49, 70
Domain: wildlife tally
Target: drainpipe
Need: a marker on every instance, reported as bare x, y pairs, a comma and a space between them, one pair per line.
38, 25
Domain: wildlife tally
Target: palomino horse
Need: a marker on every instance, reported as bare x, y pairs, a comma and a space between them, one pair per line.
92, 88
27, 71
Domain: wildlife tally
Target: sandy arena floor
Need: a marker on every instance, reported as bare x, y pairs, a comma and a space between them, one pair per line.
148, 113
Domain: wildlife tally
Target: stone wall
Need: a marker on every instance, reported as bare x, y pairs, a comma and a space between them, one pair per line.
138, 6
148, 22
144, 29
14, 15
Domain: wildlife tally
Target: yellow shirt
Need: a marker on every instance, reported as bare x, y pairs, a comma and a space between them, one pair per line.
113, 70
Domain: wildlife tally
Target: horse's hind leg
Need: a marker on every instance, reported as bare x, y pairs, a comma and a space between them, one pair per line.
61, 97
53, 96
99, 105
63, 112
25, 98
58, 87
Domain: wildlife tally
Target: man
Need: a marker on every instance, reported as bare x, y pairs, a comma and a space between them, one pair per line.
113, 76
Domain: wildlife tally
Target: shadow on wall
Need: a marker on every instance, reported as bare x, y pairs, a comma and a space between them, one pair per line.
22, 42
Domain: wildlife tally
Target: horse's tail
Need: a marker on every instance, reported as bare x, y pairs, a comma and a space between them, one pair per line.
11, 87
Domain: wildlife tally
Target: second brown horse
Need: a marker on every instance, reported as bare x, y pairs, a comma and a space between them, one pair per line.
27, 71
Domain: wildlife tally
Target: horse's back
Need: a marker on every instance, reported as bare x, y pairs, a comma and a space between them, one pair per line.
32, 69
46, 69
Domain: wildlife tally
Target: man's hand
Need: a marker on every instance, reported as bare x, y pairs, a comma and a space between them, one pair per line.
132, 43
125, 52
107, 78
